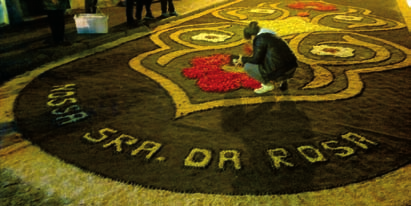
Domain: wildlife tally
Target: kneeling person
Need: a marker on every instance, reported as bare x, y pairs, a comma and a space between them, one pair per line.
272, 58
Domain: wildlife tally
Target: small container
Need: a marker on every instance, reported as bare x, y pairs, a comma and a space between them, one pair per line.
91, 23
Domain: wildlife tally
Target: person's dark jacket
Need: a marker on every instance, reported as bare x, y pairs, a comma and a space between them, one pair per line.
56, 4
277, 61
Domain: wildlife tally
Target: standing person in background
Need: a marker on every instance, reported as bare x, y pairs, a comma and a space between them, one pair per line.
147, 5
91, 6
139, 10
129, 11
272, 59
171, 9
56, 10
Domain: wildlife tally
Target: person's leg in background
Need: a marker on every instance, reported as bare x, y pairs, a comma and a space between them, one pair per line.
164, 13
57, 25
93, 6
129, 11
51, 16
147, 5
139, 10
88, 6
171, 9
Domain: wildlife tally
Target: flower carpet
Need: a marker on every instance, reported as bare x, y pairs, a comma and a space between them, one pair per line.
177, 122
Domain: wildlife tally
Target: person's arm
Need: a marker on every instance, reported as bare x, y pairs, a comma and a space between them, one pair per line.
259, 51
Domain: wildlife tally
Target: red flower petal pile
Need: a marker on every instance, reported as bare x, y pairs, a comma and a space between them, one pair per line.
212, 78
313, 5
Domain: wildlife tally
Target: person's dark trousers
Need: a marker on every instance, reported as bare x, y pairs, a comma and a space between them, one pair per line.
139, 9
147, 5
164, 6
57, 24
129, 10
91, 6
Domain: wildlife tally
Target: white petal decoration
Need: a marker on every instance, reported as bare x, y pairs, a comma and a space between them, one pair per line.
348, 18
211, 37
262, 11
324, 50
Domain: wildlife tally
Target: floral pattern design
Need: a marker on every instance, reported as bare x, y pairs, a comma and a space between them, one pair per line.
262, 11
333, 51
211, 37
348, 18
313, 6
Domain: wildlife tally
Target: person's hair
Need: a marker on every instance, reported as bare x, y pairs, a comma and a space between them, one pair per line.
251, 29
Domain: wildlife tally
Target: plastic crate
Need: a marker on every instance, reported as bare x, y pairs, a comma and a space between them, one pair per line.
91, 23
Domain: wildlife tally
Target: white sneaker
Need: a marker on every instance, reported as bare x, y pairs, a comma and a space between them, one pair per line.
264, 88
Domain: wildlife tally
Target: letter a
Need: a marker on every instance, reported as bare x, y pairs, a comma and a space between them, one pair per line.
153, 149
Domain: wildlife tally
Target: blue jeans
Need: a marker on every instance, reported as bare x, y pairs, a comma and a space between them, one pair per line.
253, 71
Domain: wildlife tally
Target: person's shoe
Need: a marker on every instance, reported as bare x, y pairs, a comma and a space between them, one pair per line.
131, 22
284, 85
134, 24
164, 15
173, 13
149, 17
264, 88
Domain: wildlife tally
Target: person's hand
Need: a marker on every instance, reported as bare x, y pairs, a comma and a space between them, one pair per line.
239, 62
